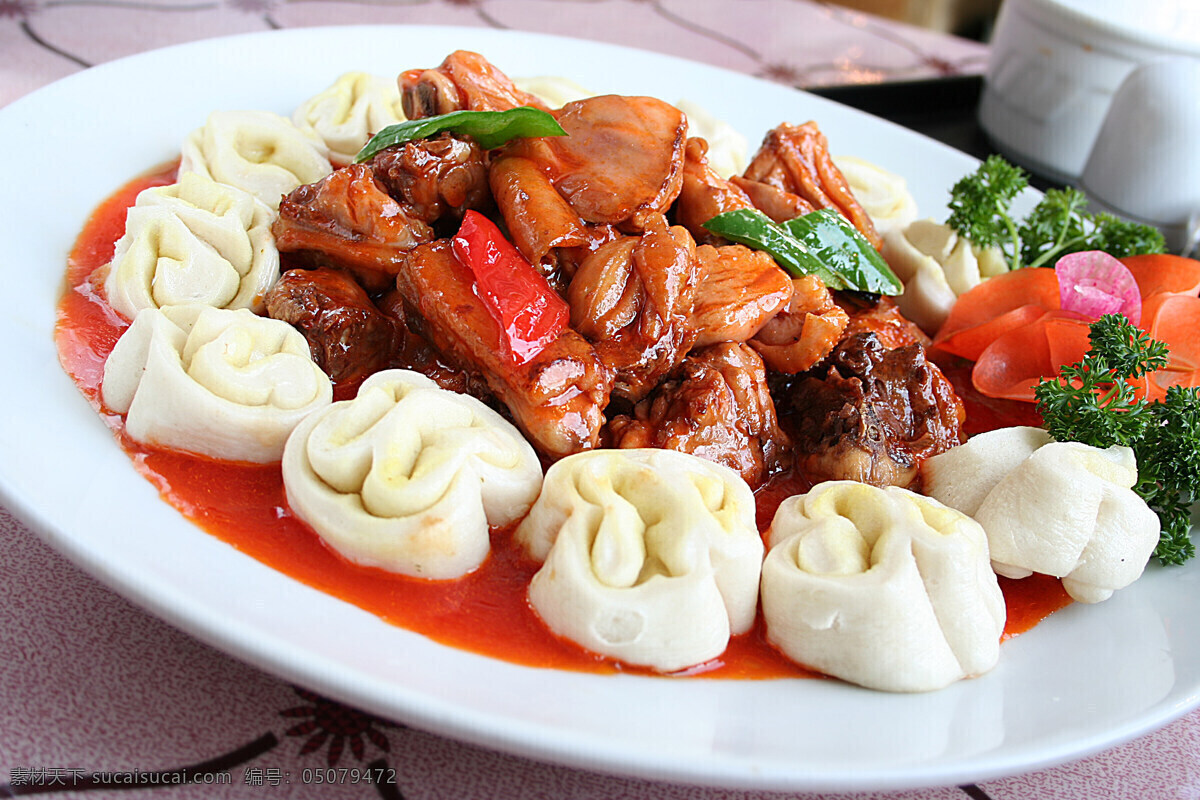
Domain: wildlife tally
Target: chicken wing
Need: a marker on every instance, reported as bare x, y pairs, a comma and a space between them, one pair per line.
794, 160
715, 405
633, 298
557, 398
463, 81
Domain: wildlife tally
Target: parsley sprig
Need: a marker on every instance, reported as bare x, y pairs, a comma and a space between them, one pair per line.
981, 209
1093, 402
981, 203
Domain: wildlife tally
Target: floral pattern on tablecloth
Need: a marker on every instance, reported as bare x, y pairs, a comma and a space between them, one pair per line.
795, 42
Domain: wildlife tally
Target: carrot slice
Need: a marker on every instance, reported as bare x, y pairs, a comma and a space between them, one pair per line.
1013, 327
1156, 386
1175, 320
1067, 338
1015, 363
971, 342
1022, 291
1163, 273
998, 373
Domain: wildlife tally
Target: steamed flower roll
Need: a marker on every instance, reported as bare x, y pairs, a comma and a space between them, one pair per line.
347, 114
194, 241
222, 383
881, 587
258, 151
650, 557
1057, 508
408, 477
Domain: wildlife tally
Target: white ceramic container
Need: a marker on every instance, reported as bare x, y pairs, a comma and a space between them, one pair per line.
1056, 64
1145, 163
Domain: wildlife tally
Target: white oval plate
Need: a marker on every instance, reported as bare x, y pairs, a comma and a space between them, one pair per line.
1088, 678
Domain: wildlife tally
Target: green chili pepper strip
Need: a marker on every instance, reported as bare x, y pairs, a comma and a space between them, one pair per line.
833, 239
755, 229
821, 243
488, 128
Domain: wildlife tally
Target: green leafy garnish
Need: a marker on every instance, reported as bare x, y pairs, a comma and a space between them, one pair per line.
981, 203
488, 128
821, 243
833, 239
1058, 225
755, 229
1169, 470
981, 209
1093, 402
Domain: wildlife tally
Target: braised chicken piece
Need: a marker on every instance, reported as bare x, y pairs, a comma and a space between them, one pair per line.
540, 221
414, 352
738, 291
463, 81
714, 405
805, 331
620, 163
435, 178
633, 299
347, 219
557, 397
348, 336
795, 160
778, 204
705, 194
870, 413
364, 217
882, 317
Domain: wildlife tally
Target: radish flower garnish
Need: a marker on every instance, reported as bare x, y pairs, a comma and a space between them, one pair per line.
1094, 283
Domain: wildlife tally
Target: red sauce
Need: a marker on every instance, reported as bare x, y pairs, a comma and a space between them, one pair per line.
244, 505
984, 413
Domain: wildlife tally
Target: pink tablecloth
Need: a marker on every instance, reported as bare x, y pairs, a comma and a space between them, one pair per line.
88, 682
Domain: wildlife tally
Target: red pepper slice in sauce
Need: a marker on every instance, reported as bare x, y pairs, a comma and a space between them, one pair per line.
520, 299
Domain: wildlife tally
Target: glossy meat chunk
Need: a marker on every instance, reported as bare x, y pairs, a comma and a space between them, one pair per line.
557, 398
416, 353
348, 219
805, 331
348, 336
621, 161
538, 218
738, 291
633, 298
463, 81
778, 204
715, 405
871, 414
435, 178
704, 194
795, 160
881, 317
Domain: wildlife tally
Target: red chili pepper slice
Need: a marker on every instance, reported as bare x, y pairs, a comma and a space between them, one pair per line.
530, 313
